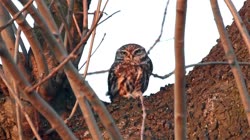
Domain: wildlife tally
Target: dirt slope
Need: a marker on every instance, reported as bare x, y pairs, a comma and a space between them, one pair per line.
213, 103
214, 106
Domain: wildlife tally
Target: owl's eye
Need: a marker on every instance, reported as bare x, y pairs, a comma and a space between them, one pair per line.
138, 52
123, 53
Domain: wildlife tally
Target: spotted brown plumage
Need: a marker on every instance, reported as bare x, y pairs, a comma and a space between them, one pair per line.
130, 72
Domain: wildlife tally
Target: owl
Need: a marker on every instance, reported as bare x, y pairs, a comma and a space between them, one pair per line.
130, 72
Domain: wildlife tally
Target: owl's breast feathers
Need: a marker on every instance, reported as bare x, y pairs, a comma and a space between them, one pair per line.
131, 80
129, 74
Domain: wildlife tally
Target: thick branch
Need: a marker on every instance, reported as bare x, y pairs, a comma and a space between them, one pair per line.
76, 81
7, 34
18, 101
30, 35
42, 106
41, 63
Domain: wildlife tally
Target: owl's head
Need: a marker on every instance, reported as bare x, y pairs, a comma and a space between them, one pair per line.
132, 53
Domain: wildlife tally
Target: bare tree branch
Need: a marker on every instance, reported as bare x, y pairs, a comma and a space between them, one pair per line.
109, 17
93, 52
180, 110
18, 101
227, 46
162, 26
16, 16
144, 114
89, 117
42, 106
24, 51
68, 37
172, 72
198, 64
41, 63
78, 84
239, 23
18, 113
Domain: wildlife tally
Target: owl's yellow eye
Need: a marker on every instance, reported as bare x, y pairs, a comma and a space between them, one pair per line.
123, 52
138, 52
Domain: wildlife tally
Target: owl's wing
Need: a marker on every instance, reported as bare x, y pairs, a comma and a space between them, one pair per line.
147, 71
112, 80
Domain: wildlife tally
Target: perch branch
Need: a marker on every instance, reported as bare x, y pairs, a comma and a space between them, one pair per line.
227, 46
180, 111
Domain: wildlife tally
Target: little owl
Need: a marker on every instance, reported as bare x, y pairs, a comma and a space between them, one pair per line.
129, 74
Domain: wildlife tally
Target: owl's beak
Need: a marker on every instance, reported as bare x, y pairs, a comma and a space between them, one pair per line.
131, 57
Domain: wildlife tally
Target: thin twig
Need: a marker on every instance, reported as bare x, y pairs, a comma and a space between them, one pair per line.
93, 52
97, 15
144, 114
97, 72
109, 17
162, 26
193, 65
76, 24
